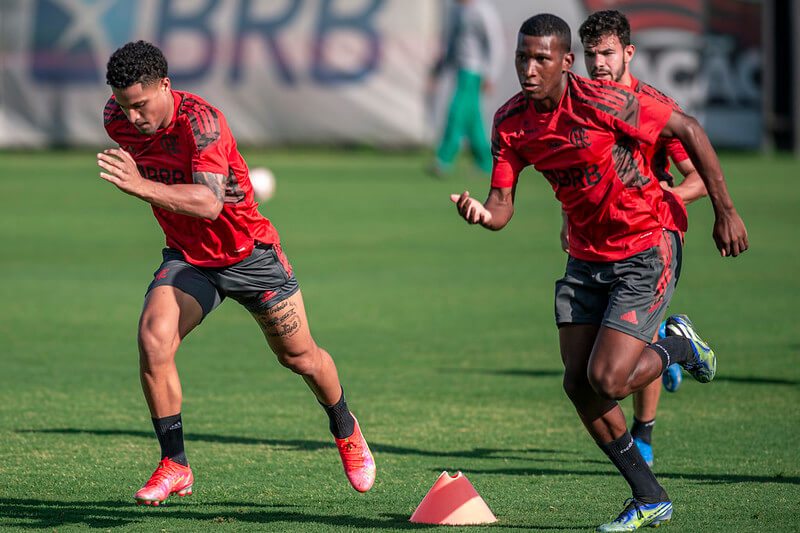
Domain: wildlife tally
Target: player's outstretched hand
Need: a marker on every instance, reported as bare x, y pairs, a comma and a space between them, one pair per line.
730, 234
120, 169
471, 209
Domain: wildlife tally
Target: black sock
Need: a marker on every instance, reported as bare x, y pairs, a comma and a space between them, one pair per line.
643, 430
342, 423
673, 349
626, 457
169, 431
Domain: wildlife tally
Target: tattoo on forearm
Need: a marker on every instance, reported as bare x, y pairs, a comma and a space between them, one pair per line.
213, 181
281, 320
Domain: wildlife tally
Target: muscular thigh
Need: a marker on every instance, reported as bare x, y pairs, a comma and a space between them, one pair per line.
285, 326
169, 312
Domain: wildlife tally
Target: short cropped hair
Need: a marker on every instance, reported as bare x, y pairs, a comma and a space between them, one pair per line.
609, 22
544, 25
135, 62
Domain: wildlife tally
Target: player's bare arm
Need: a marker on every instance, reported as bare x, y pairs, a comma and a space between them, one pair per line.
564, 231
202, 199
692, 187
494, 214
729, 232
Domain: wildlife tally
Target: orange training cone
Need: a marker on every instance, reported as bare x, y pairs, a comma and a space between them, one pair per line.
453, 501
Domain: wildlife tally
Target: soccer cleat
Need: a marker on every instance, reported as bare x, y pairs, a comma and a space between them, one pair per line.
169, 478
672, 377
646, 450
637, 514
359, 466
703, 365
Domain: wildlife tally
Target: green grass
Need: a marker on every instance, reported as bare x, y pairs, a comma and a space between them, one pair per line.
444, 339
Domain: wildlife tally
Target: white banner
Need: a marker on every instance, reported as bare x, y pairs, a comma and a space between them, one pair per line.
342, 71
319, 71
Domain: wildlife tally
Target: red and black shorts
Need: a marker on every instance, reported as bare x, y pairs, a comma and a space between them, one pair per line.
630, 295
258, 282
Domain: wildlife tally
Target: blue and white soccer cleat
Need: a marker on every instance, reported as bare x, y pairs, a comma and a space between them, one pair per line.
637, 514
646, 450
672, 377
703, 366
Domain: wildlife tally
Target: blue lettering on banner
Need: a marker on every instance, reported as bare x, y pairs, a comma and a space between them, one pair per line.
69, 35
66, 37
246, 25
329, 22
197, 22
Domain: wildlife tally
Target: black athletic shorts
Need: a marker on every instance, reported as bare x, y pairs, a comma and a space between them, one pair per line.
630, 295
258, 282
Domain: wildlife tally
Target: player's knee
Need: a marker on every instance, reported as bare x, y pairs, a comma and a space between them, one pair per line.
607, 385
158, 342
302, 362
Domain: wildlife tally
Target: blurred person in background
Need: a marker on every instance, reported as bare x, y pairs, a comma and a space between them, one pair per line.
473, 49
177, 153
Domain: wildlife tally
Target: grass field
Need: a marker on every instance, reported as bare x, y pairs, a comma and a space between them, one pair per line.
444, 339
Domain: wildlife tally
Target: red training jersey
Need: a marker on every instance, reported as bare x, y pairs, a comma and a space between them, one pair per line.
589, 150
659, 155
197, 140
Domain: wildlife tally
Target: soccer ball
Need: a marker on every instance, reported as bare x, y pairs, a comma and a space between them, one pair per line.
263, 181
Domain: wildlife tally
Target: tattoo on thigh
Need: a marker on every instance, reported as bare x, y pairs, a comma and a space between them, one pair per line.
281, 320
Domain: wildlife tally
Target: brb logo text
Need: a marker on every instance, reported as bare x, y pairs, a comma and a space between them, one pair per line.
72, 39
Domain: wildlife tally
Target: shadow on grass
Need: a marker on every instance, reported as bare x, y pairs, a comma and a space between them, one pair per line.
703, 478
311, 445
523, 372
39, 514
544, 373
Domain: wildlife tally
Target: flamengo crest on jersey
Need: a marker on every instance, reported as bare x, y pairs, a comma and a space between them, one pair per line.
589, 150
197, 140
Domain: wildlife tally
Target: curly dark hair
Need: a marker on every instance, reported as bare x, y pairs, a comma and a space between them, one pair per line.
545, 24
135, 62
608, 22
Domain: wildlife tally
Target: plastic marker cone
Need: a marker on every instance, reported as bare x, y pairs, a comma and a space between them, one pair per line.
453, 501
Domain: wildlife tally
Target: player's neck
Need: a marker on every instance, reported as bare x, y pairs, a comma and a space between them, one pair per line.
626, 79
551, 101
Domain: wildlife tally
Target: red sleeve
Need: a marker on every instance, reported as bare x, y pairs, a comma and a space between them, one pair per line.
212, 139
506, 164
676, 151
650, 118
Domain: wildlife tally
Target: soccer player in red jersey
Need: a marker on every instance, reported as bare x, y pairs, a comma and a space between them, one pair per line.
624, 249
606, 38
176, 152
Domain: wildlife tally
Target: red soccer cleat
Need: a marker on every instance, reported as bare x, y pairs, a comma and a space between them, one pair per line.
169, 478
359, 466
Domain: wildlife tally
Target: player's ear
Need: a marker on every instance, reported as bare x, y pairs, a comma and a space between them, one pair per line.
165, 84
568, 60
629, 51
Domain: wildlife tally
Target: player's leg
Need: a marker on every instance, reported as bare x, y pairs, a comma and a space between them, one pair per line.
171, 310
645, 403
286, 329
455, 127
475, 128
265, 285
582, 298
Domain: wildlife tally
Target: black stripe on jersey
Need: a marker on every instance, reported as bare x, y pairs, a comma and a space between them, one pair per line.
615, 101
515, 106
112, 112
203, 120
625, 165
651, 91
